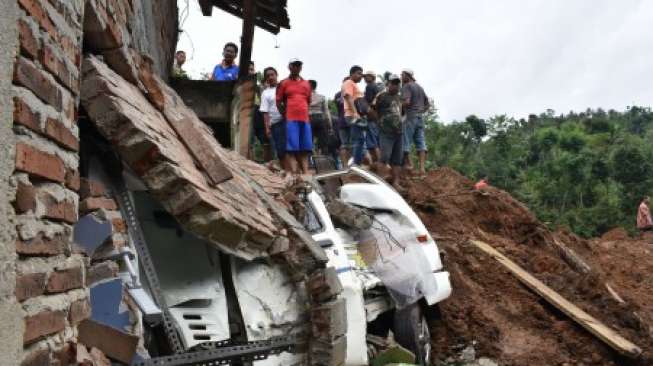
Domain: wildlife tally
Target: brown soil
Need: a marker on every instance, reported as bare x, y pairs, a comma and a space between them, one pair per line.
509, 322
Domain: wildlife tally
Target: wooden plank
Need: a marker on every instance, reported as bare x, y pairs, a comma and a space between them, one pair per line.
247, 38
594, 326
570, 256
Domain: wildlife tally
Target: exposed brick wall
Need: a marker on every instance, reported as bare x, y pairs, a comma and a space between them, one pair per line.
50, 277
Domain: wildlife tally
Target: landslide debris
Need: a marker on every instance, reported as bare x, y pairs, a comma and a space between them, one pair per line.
505, 320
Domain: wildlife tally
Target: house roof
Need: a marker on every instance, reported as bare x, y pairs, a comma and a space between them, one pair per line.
271, 15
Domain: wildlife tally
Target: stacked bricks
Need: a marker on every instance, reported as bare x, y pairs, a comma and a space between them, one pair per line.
328, 315
50, 276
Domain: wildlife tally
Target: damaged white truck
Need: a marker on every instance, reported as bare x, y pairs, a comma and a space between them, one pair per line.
386, 262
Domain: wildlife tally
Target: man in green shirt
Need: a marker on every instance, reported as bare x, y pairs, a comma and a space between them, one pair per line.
387, 106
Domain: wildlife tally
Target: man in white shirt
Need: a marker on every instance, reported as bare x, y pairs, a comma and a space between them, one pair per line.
274, 124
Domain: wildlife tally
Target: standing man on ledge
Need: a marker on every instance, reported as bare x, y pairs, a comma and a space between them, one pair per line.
227, 70
357, 125
293, 99
415, 103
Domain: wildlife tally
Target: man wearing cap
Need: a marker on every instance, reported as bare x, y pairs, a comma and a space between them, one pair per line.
372, 88
227, 69
415, 103
387, 105
293, 99
353, 137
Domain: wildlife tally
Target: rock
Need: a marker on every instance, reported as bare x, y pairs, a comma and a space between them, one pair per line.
486, 362
468, 354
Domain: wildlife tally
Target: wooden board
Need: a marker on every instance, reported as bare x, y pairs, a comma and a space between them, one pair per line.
594, 326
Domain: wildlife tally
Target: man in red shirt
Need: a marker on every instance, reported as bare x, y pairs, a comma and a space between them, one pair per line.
293, 99
481, 184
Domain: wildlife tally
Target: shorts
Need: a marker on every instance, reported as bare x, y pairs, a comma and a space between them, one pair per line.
413, 132
372, 136
298, 137
320, 127
345, 137
391, 146
278, 134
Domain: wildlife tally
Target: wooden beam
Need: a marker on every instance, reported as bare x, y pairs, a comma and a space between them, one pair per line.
247, 38
570, 256
594, 326
207, 7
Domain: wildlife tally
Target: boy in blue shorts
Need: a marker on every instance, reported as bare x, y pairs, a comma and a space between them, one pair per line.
293, 99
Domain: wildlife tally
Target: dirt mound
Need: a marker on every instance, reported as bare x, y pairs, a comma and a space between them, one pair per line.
509, 322
617, 233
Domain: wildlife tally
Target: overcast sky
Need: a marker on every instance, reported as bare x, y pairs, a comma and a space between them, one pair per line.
472, 57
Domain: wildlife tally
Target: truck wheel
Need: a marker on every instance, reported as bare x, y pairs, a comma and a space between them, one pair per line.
411, 331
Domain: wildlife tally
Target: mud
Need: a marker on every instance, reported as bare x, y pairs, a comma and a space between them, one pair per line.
508, 322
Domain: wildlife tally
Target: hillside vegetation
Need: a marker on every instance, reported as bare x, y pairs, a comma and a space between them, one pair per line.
586, 171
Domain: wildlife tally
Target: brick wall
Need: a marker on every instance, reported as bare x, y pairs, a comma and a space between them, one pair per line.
45, 93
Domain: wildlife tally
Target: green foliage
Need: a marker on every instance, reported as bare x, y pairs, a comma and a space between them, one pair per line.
586, 171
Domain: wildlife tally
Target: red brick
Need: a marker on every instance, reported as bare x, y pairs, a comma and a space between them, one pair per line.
91, 188
29, 285
118, 345
58, 68
58, 132
39, 163
119, 225
36, 10
101, 271
64, 211
29, 44
42, 324
79, 310
49, 59
100, 31
66, 279
72, 179
25, 198
29, 76
41, 245
96, 203
38, 357
24, 115
72, 49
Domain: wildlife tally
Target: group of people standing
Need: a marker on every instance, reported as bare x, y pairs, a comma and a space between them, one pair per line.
383, 122
375, 127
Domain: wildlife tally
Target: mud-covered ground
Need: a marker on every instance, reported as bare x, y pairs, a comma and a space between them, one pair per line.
502, 318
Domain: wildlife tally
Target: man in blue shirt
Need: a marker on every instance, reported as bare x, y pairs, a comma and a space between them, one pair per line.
227, 69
